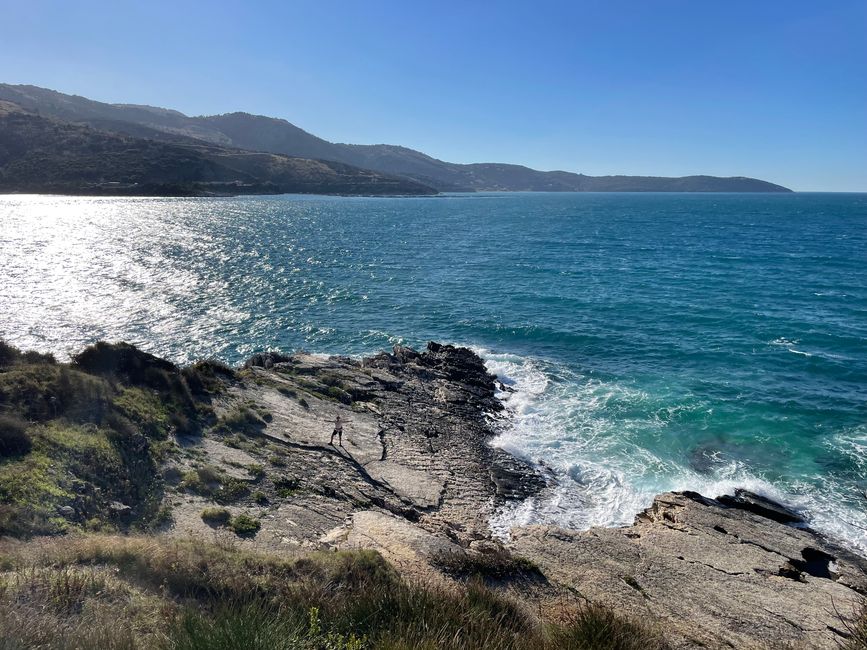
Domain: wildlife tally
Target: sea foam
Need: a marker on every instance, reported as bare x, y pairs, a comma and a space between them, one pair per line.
574, 428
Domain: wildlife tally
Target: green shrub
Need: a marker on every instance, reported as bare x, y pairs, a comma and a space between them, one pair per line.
209, 474
243, 419
595, 627
38, 357
206, 377
14, 439
216, 516
244, 525
286, 486
287, 392
8, 354
125, 362
260, 497
497, 564
209, 481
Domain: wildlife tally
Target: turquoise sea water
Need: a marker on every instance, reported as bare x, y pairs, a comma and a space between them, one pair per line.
655, 342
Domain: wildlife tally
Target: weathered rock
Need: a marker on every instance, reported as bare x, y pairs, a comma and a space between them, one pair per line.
514, 478
405, 545
717, 576
404, 354
746, 500
119, 509
416, 477
266, 360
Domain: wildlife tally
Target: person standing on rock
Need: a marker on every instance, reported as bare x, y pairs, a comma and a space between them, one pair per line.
338, 431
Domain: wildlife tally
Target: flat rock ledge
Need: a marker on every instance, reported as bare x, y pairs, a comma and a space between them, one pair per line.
416, 478
719, 573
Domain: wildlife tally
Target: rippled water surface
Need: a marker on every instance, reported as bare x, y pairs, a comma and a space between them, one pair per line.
654, 341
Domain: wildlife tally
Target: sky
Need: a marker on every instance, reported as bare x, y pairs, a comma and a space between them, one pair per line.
774, 89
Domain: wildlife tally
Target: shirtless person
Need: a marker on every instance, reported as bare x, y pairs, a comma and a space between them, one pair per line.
338, 431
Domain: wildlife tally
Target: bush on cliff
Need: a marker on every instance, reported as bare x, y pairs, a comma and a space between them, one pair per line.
216, 516
80, 443
494, 564
245, 525
14, 440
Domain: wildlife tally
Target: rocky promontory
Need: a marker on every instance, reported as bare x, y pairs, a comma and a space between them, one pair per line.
415, 479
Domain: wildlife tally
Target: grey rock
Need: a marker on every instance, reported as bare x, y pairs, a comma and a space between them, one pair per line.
746, 500
119, 508
416, 476
715, 575
266, 360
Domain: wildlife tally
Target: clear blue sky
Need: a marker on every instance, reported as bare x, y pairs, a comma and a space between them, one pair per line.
775, 89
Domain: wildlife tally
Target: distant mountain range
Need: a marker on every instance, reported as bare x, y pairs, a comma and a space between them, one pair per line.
42, 155
164, 151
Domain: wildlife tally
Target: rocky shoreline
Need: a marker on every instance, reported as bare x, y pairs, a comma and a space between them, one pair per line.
119, 441
417, 480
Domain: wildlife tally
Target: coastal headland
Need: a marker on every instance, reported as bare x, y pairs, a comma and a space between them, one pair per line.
123, 451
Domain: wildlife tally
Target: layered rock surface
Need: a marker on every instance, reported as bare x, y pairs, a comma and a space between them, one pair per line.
416, 479
718, 576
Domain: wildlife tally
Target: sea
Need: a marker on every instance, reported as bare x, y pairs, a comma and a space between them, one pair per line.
646, 342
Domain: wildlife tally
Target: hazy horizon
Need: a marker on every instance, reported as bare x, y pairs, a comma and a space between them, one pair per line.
776, 92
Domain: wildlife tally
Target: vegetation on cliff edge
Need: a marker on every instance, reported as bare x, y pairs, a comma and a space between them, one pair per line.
80, 443
98, 591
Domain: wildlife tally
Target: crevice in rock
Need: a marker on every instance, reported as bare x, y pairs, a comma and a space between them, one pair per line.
710, 566
816, 563
761, 546
381, 435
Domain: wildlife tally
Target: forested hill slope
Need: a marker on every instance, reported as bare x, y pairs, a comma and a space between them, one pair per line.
260, 133
42, 155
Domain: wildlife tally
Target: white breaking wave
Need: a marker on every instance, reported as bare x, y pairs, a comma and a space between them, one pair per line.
588, 434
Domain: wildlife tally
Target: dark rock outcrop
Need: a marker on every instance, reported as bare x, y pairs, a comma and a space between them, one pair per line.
266, 360
762, 506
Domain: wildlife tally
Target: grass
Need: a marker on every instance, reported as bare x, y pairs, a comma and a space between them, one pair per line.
856, 630
216, 516
144, 408
244, 525
211, 482
98, 591
76, 437
14, 440
498, 564
78, 467
598, 628
243, 419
